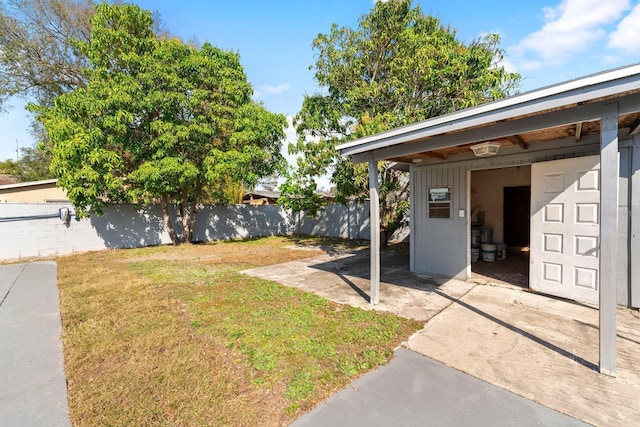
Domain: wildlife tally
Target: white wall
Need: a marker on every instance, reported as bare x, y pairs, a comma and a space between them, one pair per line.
26, 232
34, 230
487, 193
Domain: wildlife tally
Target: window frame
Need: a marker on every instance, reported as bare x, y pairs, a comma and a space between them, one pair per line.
439, 200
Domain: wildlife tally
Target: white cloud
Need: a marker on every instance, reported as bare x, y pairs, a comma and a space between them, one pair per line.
260, 91
525, 65
627, 34
274, 90
571, 27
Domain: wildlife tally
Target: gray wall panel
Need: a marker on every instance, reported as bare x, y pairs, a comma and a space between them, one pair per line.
623, 226
634, 259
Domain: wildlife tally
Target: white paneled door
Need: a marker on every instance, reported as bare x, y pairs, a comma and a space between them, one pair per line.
565, 228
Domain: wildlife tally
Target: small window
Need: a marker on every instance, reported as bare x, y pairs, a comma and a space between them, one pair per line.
440, 202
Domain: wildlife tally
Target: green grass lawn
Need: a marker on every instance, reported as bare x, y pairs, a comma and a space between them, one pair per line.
177, 336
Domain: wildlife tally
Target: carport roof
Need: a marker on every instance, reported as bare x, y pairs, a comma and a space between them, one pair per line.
567, 110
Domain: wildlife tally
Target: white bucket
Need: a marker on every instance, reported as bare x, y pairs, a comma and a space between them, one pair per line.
475, 254
488, 252
486, 235
501, 252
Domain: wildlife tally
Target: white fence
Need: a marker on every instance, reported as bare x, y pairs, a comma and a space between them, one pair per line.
35, 230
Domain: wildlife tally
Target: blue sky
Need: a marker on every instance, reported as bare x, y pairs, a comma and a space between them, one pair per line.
546, 41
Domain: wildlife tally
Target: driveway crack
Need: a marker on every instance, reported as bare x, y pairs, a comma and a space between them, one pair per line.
12, 285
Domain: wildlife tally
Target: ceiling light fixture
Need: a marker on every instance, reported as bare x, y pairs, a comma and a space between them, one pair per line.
485, 149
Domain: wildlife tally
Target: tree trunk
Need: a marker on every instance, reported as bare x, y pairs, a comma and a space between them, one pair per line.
385, 235
194, 220
167, 219
187, 225
190, 216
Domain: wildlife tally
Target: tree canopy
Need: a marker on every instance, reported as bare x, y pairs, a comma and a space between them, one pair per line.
37, 58
399, 66
158, 120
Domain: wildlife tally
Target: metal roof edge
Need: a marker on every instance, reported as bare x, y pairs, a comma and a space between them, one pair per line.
579, 84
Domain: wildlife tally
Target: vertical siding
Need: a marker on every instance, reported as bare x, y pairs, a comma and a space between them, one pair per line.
440, 244
623, 227
634, 258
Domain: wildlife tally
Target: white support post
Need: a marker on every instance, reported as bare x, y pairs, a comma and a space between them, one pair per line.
609, 170
374, 222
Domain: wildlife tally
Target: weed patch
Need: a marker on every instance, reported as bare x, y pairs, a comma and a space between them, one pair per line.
177, 336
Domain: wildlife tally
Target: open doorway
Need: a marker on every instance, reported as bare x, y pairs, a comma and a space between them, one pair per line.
517, 210
500, 201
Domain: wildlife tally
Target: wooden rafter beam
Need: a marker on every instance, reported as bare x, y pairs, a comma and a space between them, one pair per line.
578, 135
435, 155
517, 140
636, 129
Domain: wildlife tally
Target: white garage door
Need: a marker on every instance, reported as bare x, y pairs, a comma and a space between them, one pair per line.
565, 228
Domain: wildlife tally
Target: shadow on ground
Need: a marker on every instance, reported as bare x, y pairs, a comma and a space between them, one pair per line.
541, 348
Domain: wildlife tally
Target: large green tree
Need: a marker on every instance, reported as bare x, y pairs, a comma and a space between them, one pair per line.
397, 67
158, 120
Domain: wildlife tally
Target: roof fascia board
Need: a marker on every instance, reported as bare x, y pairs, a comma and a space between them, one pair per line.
585, 112
28, 184
505, 109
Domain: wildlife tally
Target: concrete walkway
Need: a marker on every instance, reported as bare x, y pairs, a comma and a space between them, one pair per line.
33, 389
543, 349
414, 390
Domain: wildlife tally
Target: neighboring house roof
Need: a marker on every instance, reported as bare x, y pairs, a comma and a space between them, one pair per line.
569, 109
271, 196
24, 185
263, 193
261, 197
7, 179
44, 191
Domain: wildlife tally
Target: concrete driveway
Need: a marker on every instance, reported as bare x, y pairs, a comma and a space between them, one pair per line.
415, 390
33, 387
541, 348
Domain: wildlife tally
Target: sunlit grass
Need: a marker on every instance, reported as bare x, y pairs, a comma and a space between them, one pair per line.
178, 336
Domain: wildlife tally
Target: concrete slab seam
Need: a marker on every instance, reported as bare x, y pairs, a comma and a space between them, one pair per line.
405, 344
12, 285
453, 301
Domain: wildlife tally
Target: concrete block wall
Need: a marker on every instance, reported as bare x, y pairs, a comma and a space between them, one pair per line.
347, 222
242, 222
35, 230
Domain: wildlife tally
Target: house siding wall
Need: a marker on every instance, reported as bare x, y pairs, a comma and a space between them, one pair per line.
634, 228
624, 200
440, 246
33, 194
